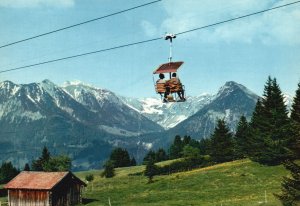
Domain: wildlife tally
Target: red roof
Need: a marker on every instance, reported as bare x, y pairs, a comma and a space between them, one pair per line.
36, 180
168, 67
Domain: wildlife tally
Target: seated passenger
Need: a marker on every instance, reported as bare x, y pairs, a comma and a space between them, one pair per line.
162, 86
177, 86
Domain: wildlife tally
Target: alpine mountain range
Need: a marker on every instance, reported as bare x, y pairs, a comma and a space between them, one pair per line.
86, 122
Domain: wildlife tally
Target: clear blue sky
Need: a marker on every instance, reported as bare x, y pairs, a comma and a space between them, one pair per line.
246, 51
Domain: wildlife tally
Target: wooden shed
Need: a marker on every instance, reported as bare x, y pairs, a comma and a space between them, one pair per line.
44, 189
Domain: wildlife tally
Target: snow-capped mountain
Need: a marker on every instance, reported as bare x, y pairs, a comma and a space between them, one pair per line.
117, 117
171, 114
85, 122
81, 121
231, 101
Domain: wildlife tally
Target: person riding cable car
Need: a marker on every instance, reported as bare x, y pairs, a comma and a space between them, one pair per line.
172, 86
176, 86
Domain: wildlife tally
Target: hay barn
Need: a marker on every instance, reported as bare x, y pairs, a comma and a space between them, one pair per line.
44, 189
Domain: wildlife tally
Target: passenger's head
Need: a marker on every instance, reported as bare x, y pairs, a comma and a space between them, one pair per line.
161, 76
174, 75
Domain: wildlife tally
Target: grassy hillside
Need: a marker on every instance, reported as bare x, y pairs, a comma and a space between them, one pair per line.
240, 182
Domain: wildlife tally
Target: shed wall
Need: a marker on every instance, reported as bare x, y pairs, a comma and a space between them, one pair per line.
66, 193
28, 198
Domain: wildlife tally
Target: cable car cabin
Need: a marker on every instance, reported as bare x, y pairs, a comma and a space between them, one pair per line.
171, 90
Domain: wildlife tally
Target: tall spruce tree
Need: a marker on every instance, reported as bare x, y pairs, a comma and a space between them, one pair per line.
290, 195
120, 157
295, 117
222, 145
295, 114
38, 165
242, 138
270, 127
109, 169
290, 192
151, 170
176, 148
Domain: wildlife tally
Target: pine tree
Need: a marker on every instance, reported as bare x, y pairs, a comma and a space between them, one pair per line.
26, 167
120, 157
295, 114
160, 155
7, 172
295, 117
132, 162
176, 148
222, 145
151, 170
242, 138
270, 127
38, 165
149, 156
204, 146
109, 169
290, 195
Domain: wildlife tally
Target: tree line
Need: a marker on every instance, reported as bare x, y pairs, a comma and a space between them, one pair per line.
271, 137
46, 162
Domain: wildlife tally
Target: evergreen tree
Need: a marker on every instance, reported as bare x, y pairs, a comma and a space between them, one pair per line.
204, 146
120, 157
160, 155
186, 140
26, 167
38, 165
109, 169
222, 146
89, 177
290, 195
132, 162
176, 148
270, 127
295, 114
295, 117
49, 163
149, 156
45, 154
151, 170
242, 138
7, 172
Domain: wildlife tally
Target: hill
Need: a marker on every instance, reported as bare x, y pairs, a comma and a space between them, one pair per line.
235, 183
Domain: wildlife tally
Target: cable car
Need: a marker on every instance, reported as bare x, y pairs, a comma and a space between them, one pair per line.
171, 90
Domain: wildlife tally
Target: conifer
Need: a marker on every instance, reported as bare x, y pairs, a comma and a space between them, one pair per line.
270, 127
290, 195
222, 146
242, 138
151, 170
295, 114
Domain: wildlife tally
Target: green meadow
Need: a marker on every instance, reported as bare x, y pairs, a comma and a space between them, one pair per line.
241, 182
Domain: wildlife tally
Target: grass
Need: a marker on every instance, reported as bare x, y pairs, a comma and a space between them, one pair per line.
235, 183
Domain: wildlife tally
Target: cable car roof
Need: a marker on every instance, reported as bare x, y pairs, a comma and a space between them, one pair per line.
168, 67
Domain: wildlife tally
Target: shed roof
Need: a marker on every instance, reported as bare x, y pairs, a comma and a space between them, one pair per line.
37, 180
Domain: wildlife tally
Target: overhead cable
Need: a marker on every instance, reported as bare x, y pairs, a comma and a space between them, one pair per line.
79, 24
237, 18
146, 41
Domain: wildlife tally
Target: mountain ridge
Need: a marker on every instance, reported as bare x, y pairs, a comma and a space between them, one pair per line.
87, 122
